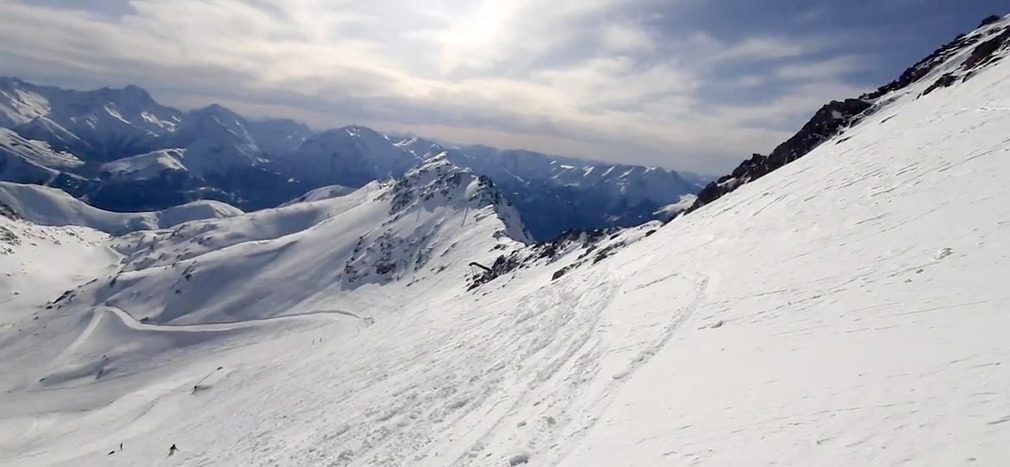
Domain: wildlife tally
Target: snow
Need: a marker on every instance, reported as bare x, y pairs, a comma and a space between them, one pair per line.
846, 309
37, 260
672, 210
326, 192
18, 106
168, 125
29, 161
51, 206
146, 166
35, 152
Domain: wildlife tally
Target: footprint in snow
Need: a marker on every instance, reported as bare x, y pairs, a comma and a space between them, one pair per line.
943, 253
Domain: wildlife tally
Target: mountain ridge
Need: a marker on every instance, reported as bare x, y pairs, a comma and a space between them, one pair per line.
836, 117
265, 163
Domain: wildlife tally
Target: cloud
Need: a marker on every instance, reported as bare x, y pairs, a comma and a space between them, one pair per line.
626, 38
604, 79
832, 68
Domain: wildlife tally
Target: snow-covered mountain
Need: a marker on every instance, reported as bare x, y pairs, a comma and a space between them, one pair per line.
258, 164
846, 308
103, 124
557, 194
223, 159
49, 206
350, 156
278, 137
216, 142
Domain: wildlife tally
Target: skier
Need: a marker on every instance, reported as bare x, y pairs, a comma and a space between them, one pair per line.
172, 450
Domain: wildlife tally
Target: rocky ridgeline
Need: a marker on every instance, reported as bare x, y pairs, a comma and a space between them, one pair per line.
592, 246
833, 118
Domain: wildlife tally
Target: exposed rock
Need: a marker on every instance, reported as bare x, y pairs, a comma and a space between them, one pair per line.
984, 53
8, 212
826, 123
989, 20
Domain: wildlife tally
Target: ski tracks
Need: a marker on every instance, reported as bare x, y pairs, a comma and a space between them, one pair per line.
663, 326
576, 377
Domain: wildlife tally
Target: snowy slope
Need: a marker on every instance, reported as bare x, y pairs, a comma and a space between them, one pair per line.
845, 309
326, 192
50, 206
27, 161
145, 166
674, 209
415, 235
37, 260
377, 235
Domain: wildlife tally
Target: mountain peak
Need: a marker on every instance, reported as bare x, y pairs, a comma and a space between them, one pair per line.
217, 110
437, 181
137, 92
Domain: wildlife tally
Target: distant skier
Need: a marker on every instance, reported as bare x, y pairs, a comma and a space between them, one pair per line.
172, 450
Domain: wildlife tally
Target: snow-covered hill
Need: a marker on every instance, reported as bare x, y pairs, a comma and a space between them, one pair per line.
49, 206
558, 194
847, 308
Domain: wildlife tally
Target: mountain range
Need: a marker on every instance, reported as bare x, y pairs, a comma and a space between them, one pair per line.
118, 149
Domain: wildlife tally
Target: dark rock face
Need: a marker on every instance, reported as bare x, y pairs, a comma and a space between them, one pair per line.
984, 53
923, 67
836, 116
587, 241
944, 81
827, 122
989, 20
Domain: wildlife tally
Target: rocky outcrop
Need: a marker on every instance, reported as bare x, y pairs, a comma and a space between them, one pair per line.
826, 123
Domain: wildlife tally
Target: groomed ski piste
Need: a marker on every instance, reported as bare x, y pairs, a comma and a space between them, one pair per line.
847, 309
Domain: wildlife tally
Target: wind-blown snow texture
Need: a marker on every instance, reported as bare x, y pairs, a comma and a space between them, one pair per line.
848, 308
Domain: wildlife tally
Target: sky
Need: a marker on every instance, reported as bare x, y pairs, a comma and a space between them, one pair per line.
694, 85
